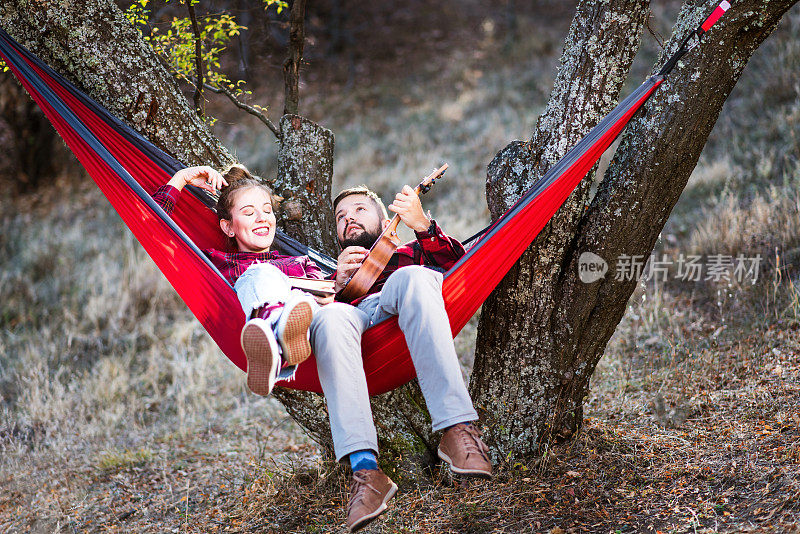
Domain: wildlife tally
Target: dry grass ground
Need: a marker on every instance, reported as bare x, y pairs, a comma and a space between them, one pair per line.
119, 414
723, 457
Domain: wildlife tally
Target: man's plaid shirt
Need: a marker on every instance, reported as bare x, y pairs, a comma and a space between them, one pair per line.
432, 248
233, 264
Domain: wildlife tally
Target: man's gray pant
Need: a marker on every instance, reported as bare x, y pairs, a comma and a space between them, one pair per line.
414, 294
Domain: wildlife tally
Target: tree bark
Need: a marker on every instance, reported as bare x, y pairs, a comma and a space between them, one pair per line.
542, 331
305, 173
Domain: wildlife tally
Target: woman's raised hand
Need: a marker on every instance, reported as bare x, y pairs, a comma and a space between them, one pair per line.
203, 177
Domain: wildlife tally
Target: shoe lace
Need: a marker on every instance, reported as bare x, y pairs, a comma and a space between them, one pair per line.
471, 440
360, 486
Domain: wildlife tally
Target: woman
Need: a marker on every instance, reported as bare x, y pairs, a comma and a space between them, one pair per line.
275, 339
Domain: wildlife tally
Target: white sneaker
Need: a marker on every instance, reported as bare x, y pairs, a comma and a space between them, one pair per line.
292, 330
263, 356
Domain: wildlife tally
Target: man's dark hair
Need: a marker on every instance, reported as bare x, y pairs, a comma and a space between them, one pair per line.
362, 190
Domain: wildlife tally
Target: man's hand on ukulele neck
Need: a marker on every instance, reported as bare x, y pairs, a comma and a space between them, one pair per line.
407, 205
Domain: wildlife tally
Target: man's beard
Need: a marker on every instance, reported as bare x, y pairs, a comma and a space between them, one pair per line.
364, 239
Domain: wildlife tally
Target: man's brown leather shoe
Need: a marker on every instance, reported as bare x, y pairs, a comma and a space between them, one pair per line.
370, 492
463, 449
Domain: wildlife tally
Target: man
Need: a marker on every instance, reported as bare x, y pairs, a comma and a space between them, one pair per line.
412, 291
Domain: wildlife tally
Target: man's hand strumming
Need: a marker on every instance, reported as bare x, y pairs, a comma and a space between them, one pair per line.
348, 263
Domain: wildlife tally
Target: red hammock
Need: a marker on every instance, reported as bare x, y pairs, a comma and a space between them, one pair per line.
128, 168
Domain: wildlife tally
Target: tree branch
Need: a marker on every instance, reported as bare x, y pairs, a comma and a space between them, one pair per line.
198, 54
249, 109
291, 67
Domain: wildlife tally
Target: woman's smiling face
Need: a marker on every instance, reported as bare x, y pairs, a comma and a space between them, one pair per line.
252, 222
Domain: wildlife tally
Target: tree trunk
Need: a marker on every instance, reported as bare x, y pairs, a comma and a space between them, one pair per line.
542, 331
245, 19
291, 66
305, 172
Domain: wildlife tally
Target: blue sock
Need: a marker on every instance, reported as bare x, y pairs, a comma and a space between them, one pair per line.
365, 459
465, 423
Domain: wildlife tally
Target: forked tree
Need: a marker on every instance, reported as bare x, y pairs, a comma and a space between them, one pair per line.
543, 331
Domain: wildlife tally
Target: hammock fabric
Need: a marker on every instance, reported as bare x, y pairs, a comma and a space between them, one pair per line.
128, 168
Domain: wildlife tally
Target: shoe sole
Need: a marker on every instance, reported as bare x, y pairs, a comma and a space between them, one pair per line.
364, 521
260, 360
475, 473
294, 337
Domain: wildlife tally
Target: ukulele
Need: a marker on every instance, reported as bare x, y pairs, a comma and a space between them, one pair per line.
378, 256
